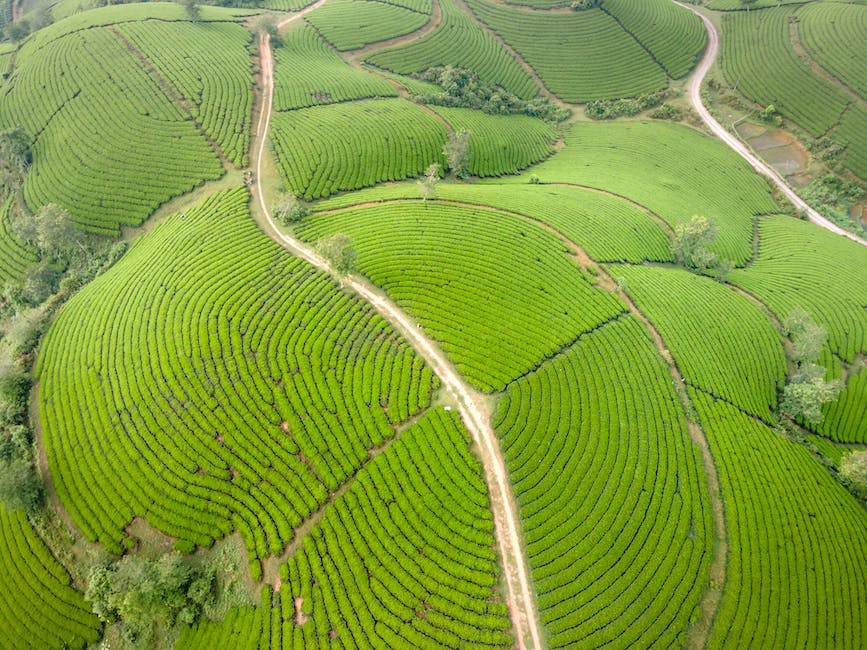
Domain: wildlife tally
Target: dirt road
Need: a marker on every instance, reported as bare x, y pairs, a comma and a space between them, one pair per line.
470, 403
717, 129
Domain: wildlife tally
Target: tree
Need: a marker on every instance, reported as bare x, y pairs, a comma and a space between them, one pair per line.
15, 159
457, 153
854, 468
427, 184
20, 487
691, 240
55, 230
339, 252
288, 208
807, 390
808, 338
192, 10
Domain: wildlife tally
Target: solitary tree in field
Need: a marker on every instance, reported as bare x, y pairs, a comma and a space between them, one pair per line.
339, 252
690, 245
457, 153
288, 208
51, 230
807, 390
427, 184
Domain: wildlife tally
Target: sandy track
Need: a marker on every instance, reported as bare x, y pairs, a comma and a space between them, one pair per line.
739, 147
470, 403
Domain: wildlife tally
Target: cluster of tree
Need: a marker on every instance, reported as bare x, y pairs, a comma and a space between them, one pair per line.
143, 595
457, 153
582, 5
20, 486
609, 109
18, 30
464, 89
690, 249
807, 390
853, 469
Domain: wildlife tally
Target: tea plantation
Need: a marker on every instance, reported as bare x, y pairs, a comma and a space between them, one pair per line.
352, 324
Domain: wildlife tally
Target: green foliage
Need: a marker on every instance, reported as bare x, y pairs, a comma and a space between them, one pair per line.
845, 419
674, 35
20, 487
459, 42
690, 244
792, 521
243, 386
325, 149
308, 72
142, 593
16, 257
833, 197
802, 265
340, 253
465, 89
14, 394
15, 159
667, 112
806, 393
672, 170
722, 342
609, 109
853, 467
758, 58
427, 184
807, 337
288, 208
606, 408
351, 24
404, 558
497, 293
40, 608
608, 62
457, 153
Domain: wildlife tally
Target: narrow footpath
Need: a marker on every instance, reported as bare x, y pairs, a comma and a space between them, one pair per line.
471, 404
739, 147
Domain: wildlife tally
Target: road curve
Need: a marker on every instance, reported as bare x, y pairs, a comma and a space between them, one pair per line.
732, 141
470, 403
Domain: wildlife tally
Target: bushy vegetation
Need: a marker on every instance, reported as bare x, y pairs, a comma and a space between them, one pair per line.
462, 88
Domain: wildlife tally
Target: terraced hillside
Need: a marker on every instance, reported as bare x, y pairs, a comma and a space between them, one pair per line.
421, 410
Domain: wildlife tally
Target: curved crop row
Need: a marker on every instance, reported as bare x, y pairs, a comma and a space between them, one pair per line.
308, 72
796, 574
211, 382
672, 170
853, 135
352, 24
605, 61
846, 417
722, 342
209, 65
829, 30
499, 294
674, 35
501, 144
403, 559
461, 42
40, 607
611, 493
108, 144
325, 149
802, 265
758, 58
15, 257
608, 228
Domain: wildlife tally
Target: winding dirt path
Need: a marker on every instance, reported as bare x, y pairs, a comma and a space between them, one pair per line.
471, 404
739, 147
